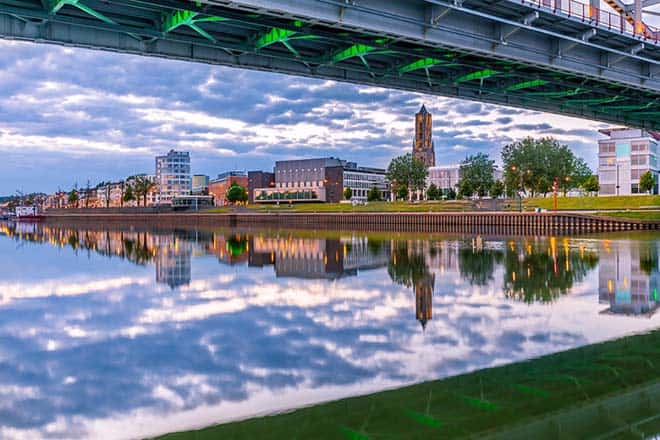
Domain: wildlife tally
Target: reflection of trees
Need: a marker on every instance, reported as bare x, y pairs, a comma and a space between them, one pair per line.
407, 264
375, 246
237, 245
536, 275
477, 266
648, 258
137, 250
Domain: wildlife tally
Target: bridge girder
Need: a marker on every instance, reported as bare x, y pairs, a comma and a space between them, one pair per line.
511, 53
644, 4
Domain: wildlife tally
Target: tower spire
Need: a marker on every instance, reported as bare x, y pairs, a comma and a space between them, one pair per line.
423, 148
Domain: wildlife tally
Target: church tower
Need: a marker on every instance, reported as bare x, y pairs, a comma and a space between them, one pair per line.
423, 148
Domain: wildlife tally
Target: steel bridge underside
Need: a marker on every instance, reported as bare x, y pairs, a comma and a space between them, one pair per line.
511, 52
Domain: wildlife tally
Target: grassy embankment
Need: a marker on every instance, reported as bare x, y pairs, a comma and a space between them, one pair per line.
594, 203
637, 215
618, 205
475, 403
448, 206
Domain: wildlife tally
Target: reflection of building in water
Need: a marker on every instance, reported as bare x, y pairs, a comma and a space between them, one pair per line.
424, 299
316, 258
408, 266
628, 278
361, 253
173, 263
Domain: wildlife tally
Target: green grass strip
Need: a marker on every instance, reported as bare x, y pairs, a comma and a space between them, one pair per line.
352, 435
479, 403
423, 419
531, 391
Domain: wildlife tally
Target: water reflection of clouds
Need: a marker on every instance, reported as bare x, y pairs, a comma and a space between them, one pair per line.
240, 339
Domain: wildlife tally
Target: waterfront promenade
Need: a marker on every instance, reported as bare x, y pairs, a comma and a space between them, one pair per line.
474, 222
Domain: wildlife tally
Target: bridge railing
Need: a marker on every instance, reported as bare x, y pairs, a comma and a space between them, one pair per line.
599, 17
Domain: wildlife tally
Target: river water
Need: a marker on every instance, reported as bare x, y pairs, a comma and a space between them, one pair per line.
125, 332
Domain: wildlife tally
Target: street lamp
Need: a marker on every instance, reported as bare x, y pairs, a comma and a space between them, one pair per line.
520, 186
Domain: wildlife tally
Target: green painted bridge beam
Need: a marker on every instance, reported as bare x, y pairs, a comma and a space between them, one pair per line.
424, 63
557, 94
55, 7
359, 51
275, 35
189, 19
178, 18
356, 50
526, 85
284, 37
480, 75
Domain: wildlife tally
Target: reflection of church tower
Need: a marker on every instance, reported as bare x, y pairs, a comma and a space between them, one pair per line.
424, 299
423, 145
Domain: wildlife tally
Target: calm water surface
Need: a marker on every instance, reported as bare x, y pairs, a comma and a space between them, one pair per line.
123, 333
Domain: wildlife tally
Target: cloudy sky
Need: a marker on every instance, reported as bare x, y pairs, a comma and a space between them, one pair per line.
71, 115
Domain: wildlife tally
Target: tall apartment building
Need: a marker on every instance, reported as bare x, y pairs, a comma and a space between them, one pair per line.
173, 177
623, 157
423, 147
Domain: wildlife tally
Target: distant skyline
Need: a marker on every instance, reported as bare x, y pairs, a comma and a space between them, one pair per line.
68, 115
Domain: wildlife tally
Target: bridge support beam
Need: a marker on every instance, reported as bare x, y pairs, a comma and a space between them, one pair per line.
564, 47
506, 31
488, 53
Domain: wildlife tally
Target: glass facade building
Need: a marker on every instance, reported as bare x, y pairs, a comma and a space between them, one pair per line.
173, 177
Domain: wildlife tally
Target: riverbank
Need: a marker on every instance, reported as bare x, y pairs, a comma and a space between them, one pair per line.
485, 223
576, 389
609, 203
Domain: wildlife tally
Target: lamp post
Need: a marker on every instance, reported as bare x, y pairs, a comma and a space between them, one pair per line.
520, 186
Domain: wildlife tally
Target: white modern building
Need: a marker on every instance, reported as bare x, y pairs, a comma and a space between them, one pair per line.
444, 177
361, 180
173, 177
623, 157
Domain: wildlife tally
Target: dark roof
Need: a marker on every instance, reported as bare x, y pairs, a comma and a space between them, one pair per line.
423, 110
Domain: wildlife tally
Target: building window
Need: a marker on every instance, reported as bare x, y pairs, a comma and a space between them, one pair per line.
607, 147
639, 146
638, 160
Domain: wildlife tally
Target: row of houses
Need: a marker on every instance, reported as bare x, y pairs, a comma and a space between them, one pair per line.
303, 180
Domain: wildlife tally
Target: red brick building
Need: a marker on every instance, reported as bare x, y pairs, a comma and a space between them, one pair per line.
218, 187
